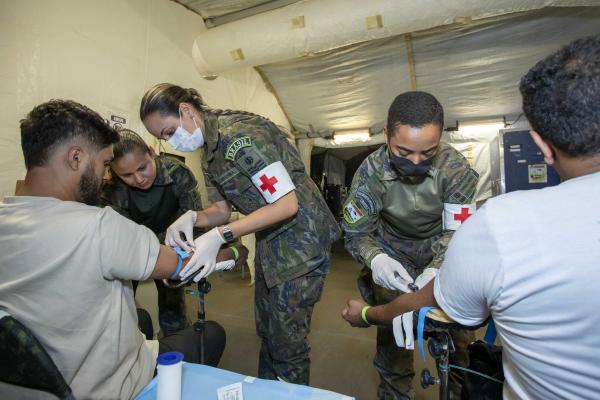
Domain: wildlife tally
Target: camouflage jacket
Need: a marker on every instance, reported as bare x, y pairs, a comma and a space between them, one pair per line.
240, 145
384, 213
173, 178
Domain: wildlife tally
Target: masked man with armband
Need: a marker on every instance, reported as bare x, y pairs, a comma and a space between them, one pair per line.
406, 200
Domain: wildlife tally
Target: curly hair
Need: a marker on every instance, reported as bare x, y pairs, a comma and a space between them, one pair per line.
415, 109
55, 122
561, 97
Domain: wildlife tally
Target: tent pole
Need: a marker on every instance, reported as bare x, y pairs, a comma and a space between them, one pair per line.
411, 61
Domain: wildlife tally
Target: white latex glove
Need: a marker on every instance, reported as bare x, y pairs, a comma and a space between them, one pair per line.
426, 276
185, 225
205, 255
403, 331
389, 273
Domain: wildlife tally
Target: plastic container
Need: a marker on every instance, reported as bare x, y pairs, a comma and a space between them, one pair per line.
169, 366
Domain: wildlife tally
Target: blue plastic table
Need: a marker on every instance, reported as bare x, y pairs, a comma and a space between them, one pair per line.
202, 382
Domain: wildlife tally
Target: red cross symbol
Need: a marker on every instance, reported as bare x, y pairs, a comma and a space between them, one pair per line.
268, 184
462, 217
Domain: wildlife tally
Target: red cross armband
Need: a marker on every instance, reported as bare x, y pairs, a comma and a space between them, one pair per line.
273, 182
456, 214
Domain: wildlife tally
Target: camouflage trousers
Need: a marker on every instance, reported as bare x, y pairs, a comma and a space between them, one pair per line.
283, 314
395, 364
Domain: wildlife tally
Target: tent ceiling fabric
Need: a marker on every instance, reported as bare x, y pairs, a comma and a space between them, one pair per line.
340, 90
473, 69
217, 8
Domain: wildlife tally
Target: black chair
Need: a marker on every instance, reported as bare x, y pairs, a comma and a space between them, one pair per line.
24, 362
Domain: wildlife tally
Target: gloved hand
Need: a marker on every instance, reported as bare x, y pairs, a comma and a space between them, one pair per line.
426, 276
205, 255
403, 330
389, 273
185, 223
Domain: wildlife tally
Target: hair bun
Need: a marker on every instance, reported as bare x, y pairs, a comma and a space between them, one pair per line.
195, 95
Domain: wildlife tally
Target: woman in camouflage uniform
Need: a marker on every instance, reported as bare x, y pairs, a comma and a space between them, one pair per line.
152, 191
249, 163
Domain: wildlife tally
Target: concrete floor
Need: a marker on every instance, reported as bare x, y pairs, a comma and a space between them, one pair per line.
341, 355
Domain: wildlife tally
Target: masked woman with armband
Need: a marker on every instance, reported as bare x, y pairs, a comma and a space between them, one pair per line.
249, 163
154, 191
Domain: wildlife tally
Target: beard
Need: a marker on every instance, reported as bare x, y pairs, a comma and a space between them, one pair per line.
90, 187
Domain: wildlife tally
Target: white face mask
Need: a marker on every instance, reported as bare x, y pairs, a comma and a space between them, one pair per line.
182, 140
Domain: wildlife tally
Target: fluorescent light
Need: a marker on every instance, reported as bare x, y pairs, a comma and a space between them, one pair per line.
485, 129
354, 135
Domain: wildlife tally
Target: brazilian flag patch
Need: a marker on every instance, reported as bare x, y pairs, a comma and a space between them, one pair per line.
236, 145
353, 213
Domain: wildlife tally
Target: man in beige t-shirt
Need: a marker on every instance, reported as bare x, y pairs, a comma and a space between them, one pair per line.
66, 266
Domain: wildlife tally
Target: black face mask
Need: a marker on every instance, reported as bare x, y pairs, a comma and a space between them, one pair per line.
405, 167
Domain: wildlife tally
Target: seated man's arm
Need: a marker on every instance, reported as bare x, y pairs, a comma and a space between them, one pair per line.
466, 287
131, 251
384, 314
166, 263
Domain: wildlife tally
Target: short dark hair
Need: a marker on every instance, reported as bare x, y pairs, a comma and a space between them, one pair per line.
58, 121
166, 97
415, 109
561, 97
129, 141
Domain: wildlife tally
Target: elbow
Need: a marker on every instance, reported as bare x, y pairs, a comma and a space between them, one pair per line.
224, 212
225, 216
289, 207
293, 206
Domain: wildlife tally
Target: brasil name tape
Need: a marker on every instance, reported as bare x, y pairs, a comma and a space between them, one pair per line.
236, 145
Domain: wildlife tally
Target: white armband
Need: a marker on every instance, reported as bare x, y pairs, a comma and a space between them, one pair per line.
456, 214
273, 182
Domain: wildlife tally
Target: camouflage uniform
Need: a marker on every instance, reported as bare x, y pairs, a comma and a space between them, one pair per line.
174, 191
402, 217
25, 362
292, 257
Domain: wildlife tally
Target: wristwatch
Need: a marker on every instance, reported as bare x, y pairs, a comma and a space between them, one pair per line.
227, 234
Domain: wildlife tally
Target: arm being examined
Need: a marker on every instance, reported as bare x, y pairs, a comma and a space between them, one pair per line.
384, 314
166, 262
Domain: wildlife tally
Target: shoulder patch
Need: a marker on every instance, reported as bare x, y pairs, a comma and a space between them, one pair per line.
366, 201
353, 213
236, 145
250, 160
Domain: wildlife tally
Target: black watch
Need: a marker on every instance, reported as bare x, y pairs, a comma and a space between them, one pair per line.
227, 234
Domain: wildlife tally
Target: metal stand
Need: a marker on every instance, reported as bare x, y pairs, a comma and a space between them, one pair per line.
440, 346
203, 288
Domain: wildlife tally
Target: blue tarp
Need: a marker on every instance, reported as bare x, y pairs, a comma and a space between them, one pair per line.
201, 381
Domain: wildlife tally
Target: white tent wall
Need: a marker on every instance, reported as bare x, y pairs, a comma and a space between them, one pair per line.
106, 54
